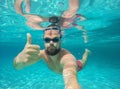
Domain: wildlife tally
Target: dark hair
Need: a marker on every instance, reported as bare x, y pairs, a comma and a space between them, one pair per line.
56, 20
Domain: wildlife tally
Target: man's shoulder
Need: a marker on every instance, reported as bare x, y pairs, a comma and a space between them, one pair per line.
66, 55
65, 51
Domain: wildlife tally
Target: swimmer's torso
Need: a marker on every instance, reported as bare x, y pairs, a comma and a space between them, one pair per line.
54, 63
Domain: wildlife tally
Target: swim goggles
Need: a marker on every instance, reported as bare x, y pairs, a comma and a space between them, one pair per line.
55, 40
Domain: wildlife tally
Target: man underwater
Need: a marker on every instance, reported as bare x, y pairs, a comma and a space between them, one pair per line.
58, 59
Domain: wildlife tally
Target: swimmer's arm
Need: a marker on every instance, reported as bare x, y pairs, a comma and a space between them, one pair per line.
70, 73
85, 57
29, 55
18, 6
20, 63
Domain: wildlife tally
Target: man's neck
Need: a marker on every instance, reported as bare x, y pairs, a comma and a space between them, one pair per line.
55, 57
55, 53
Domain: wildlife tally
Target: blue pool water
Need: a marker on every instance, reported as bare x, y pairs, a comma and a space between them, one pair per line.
102, 70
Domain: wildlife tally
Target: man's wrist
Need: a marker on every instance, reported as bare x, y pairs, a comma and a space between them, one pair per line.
18, 64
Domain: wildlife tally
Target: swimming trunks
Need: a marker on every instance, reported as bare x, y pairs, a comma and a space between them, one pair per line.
79, 65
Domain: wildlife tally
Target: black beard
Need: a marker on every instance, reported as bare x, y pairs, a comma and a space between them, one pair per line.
53, 53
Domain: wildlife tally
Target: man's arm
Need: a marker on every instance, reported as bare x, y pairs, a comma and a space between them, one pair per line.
70, 72
85, 57
30, 55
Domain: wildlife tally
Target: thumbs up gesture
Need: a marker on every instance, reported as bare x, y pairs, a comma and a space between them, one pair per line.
29, 55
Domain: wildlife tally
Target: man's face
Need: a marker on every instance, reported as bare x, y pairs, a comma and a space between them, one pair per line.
52, 41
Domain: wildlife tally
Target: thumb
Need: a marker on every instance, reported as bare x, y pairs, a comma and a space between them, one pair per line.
29, 38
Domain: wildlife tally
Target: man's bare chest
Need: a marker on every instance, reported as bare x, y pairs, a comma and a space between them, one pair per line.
55, 65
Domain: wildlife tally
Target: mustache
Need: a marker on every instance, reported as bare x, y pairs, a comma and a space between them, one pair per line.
51, 46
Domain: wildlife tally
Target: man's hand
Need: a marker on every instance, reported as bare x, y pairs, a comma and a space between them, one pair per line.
87, 51
29, 55
31, 52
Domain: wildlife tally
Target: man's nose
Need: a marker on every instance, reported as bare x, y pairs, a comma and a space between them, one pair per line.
51, 42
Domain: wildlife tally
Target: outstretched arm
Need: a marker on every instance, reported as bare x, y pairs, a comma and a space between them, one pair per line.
30, 55
70, 72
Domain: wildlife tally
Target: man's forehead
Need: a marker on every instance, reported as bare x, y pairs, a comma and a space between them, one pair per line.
51, 32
